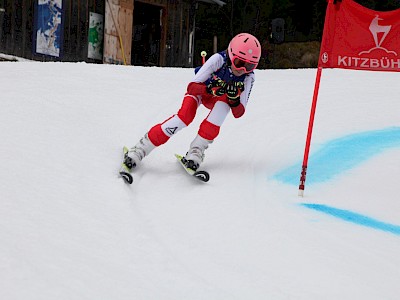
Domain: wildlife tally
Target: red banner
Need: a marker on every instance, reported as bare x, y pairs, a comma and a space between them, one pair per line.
356, 37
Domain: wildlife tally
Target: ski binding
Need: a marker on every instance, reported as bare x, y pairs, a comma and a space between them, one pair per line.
124, 172
200, 175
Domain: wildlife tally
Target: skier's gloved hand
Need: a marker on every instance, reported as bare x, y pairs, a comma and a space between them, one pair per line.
233, 91
216, 87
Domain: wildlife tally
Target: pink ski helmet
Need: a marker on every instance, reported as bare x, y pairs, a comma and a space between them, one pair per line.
244, 52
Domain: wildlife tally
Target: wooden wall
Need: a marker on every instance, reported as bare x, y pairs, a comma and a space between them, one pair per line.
177, 44
118, 32
76, 27
16, 21
17, 26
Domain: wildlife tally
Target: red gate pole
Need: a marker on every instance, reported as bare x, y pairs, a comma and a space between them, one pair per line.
329, 8
309, 133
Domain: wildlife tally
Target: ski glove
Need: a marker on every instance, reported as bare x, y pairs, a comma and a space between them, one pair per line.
233, 91
216, 87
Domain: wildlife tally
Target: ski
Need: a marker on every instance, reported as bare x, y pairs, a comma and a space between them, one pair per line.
125, 174
200, 175
124, 170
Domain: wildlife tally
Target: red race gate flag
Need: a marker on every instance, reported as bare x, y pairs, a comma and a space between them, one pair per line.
354, 37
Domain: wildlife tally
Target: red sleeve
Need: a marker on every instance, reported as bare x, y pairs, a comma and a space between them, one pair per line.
196, 88
238, 111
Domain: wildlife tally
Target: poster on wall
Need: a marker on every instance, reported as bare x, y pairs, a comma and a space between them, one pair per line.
96, 32
48, 34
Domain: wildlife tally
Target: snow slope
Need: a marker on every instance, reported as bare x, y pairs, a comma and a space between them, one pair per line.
71, 229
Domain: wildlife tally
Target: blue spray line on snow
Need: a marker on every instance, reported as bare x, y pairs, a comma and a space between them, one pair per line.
355, 218
342, 154
338, 156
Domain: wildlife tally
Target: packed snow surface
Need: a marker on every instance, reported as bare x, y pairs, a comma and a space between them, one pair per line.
71, 229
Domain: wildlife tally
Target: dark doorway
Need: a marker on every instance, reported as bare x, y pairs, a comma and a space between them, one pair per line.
146, 34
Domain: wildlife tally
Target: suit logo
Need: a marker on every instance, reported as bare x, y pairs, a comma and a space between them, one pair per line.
171, 130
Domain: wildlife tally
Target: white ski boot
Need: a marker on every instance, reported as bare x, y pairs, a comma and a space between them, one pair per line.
134, 155
195, 156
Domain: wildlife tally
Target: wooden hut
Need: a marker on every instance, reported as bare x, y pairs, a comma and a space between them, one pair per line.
142, 32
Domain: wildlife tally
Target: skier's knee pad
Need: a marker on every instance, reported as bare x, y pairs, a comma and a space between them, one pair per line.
157, 135
208, 130
187, 112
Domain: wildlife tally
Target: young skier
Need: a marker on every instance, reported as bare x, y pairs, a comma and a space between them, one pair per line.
222, 84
